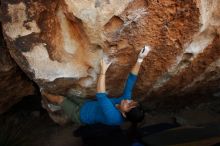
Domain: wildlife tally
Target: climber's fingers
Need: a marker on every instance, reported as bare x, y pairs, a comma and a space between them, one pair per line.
144, 51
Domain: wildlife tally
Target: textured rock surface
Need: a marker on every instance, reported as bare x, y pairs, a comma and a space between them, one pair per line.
14, 85
58, 44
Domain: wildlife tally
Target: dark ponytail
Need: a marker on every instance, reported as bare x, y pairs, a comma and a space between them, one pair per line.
133, 132
135, 116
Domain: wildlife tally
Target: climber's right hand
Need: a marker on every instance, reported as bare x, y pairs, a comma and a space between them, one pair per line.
143, 53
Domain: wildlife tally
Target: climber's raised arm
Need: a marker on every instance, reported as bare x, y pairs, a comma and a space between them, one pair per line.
133, 75
101, 80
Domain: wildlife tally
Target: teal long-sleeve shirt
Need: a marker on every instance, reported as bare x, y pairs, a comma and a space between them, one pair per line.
103, 109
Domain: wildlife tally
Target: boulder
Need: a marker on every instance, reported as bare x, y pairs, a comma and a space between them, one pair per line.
58, 44
14, 84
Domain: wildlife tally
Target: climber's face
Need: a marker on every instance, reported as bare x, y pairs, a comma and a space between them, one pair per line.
126, 105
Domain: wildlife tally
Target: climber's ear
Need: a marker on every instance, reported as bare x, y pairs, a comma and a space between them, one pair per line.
117, 106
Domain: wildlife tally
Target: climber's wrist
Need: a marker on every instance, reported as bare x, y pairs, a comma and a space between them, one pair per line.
140, 60
102, 73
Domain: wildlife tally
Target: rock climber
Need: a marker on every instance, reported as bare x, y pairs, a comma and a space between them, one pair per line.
105, 110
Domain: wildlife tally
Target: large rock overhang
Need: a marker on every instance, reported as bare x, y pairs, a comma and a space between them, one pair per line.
58, 44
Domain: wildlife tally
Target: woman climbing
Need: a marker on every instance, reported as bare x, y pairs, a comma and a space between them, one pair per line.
105, 110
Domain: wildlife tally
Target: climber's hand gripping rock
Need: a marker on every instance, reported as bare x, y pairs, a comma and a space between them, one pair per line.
143, 53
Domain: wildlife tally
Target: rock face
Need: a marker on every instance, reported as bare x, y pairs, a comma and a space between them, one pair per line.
58, 44
14, 85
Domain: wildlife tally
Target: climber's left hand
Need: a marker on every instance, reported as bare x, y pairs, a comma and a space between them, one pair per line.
104, 66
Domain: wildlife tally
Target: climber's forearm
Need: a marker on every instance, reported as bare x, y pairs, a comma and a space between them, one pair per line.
101, 83
136, 68
101, 80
